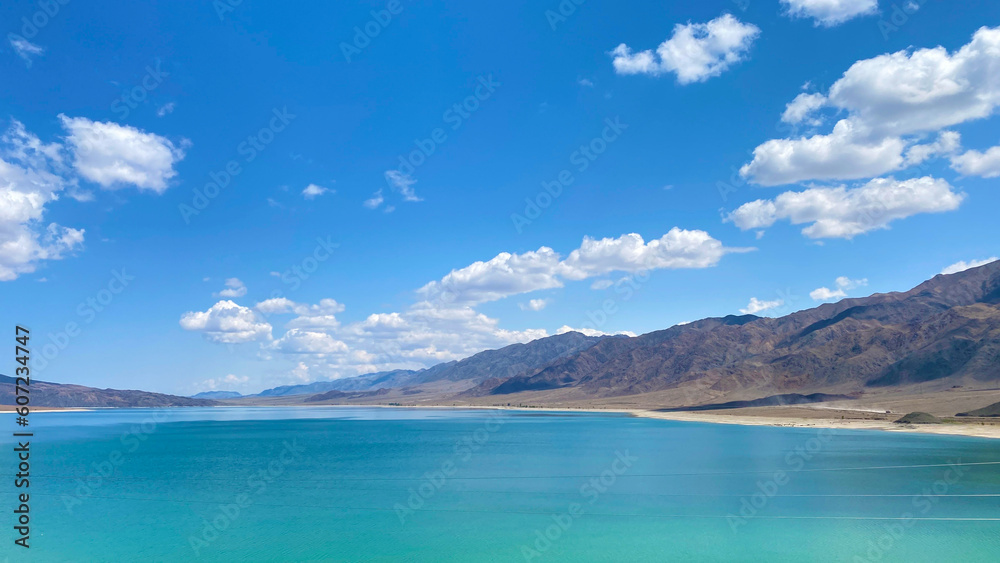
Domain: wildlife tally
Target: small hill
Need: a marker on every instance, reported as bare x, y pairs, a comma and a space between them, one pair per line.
919, 418
990, 411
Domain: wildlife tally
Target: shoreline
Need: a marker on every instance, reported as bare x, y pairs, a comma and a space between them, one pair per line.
970, 430
967, 429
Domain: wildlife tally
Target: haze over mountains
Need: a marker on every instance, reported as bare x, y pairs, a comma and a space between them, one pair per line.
942, 334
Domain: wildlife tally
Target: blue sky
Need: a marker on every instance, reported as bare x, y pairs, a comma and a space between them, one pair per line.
718, 157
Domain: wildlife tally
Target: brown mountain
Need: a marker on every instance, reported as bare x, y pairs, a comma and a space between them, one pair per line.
45, 394
944, 332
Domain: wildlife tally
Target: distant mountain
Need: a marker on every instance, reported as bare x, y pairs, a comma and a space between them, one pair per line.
217, 395
944, 331
45, 394
502, 363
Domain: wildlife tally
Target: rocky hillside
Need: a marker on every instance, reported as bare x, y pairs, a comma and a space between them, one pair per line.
945, 331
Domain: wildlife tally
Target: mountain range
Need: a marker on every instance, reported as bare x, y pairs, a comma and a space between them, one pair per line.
943, 334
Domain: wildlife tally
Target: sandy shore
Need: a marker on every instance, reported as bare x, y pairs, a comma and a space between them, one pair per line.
10, 408
974, 429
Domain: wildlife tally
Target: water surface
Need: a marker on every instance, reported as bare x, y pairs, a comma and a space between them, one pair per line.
360, 484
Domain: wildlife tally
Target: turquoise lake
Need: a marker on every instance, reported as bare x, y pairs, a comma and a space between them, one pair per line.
359, 484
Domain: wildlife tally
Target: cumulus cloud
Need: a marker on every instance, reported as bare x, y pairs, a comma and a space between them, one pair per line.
312, 191
694, 53
533, 305
443, 324
601, 284
843, 284
829, 13
234, 289
757, 306
840, 155
115, 156
511, 274
32, 175
975, 163
319, 316
892, 101
842, 212
227, 323
962, 265
827, 294
804, 105
297, 341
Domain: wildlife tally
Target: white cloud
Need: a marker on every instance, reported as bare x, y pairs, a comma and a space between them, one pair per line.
113, 155
227, 323
842, 212
321, 316
757, 306
165, 109
841, 155
227, 382
892, 102
504, 275
679, 248
695, 52
843, 284
312, 191
827, 294
443, 325
375, 201
975, 163
962, 265
297, 341
593, 332
585, 83
533, 305
234, 289
402, 183
24, 48
829, 13
799, 109
511, 274
847, 284
602, 284
31, 177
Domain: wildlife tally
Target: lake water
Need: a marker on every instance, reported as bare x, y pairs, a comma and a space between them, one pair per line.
359, 484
